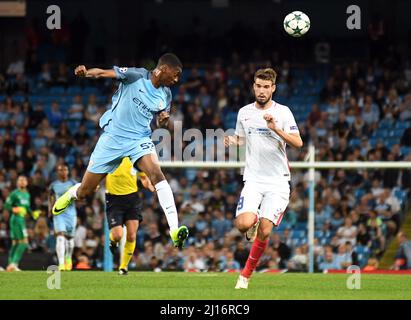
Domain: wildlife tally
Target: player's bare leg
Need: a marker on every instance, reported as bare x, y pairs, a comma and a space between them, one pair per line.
79, 191
89, 184
257, 250
149, 164
248, 223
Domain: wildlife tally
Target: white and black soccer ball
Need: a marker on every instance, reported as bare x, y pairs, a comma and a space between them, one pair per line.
296, 24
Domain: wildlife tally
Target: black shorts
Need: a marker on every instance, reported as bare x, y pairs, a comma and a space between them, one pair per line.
121, 208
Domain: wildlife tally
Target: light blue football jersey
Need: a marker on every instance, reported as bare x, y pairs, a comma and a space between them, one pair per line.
134, 104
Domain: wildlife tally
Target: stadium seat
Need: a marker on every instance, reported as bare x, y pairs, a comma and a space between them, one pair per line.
401, 195
324, 240
32, 132
402, 125
319, 234
300, 226
90, 90
405, 150
296, 242
73, 90
73, 125
354, 142
373, 142
359, 193
387, 123
57, 90
19, 98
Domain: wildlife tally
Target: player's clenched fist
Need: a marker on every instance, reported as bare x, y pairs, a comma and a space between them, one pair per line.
271, 122
163, 118
229, 140
80, 71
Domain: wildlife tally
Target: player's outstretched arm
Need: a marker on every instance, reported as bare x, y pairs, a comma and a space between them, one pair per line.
95, 73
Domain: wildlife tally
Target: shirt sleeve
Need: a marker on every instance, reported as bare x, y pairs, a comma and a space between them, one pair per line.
239, 129
290, 126
129, 75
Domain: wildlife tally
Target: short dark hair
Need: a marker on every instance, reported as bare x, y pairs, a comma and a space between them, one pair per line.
266, 74
171, 60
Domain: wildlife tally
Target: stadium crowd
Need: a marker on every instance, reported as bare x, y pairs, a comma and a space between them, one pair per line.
350, 112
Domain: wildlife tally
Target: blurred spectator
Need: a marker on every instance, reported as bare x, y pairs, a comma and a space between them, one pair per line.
220, 225
282, 248
231, 264
194, 262
406, 137
153, 234
241, 253
347, 232
403, 256
298, 261
76, 109
55, 116
372, 265
83, 263
363, 237
329, 262
343, 258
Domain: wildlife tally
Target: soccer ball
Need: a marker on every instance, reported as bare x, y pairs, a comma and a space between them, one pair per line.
296, 23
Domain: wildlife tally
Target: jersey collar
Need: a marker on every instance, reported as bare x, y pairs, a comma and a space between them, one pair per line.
272, 106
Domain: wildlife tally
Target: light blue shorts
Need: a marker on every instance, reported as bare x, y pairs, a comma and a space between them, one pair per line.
66, 222
110, 150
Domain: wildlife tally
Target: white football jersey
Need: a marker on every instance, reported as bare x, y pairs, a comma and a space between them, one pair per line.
266, 158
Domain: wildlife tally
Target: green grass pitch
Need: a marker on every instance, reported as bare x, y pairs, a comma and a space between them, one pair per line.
198, 286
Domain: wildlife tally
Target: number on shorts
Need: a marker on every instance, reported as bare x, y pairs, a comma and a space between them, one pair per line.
146, 145
240, 203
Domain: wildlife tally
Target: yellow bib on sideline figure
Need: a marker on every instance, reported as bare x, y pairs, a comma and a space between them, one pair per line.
124, 180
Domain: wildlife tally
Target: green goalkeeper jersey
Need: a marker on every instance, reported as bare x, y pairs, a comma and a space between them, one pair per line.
18, 198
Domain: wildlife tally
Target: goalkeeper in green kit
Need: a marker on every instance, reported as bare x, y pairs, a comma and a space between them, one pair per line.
18, 204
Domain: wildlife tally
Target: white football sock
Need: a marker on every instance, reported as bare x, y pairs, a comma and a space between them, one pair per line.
73, 191
166, 199
69, 248
60, 248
